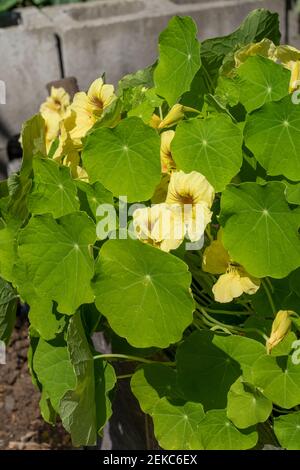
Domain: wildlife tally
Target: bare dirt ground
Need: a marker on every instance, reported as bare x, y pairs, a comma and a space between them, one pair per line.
21, 425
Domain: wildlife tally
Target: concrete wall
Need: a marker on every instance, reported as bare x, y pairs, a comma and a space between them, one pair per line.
120, 36
112, 36
28, 57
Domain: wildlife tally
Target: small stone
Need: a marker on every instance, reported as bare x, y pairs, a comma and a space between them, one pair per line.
9, 403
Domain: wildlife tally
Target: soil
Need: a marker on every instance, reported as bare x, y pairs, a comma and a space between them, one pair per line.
21, 425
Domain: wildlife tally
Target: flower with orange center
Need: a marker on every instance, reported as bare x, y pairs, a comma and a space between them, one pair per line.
195, 195
89, 106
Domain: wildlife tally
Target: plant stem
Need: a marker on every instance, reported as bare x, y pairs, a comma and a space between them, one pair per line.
133, 358
226, 312
269, 295
125, 376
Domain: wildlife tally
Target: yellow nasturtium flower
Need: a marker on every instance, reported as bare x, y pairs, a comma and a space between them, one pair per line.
280, 328
53, 111
166, 159
234, 280
265, 48
68, 149
160, 225
89, 106
175, 115
288, 56
195, 195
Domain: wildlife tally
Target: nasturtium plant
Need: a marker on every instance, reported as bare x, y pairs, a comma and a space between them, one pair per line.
163, 215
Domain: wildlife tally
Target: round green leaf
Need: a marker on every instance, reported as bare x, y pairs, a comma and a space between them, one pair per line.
212, 147
152, 382
205, 372
58, 259
261, 81
279, 379
125, 159
143, 292
176, 426
247, 405
260, 232
179, 58
209, 364
272, 133
93, 195
218, 433
287, 430
53, 191
52, 365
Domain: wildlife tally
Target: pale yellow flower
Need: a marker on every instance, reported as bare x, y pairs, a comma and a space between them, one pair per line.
166, 159
89, 106
53, 111
175, 114
280, 328
155, 121
234, 280
265, 48
195, 195
160, 225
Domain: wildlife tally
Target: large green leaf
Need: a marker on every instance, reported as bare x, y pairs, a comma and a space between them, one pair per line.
143, 292
218, 433
272, 133
279, 379
209, 364
212, 147
126, 159
259, 24
44, 318
261, 80
58, 259
287, 430
51, 364
260, 231
79, 407
247, 405
8, 308
7, 4
7, 251
92, 196
152, 382
33, 142
53, 190
179, 58
176, 427
205, 372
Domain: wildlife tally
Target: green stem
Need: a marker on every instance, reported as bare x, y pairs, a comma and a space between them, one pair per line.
269, 295
226, 312
125, 376
133, 358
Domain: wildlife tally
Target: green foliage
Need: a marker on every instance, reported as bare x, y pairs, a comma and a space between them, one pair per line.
199, 364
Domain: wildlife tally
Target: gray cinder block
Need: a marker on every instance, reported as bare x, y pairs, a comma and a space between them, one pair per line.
29, 60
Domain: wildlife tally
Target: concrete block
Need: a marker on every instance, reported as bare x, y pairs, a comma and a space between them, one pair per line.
294, 28
120, 36
29, 60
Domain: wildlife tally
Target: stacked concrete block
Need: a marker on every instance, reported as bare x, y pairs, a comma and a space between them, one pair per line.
120, 36
28, 60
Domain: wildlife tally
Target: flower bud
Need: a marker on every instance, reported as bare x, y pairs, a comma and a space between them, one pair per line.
280, 328
175, 114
